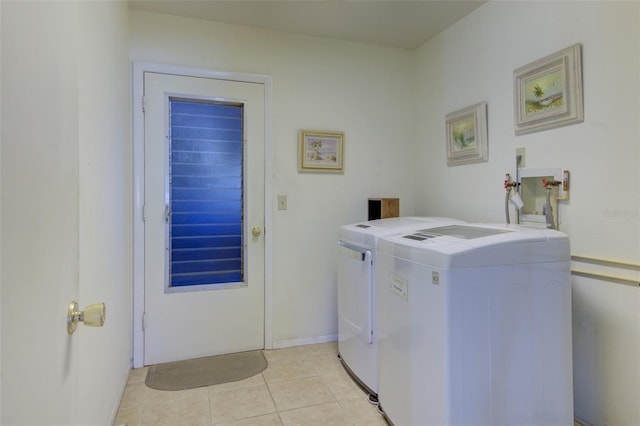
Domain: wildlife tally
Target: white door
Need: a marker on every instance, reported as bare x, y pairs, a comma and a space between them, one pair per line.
210, 316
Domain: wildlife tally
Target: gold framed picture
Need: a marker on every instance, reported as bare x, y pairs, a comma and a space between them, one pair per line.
320, 151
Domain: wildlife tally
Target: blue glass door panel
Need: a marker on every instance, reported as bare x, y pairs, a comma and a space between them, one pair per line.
206, 193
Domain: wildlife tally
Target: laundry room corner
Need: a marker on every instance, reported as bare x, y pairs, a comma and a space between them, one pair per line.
474, 61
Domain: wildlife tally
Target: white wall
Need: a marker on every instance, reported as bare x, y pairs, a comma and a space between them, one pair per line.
105, 204
473, 61
66, 210
318, 84
0, 219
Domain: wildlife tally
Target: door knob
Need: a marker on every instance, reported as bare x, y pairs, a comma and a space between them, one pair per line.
256, 231
92, 316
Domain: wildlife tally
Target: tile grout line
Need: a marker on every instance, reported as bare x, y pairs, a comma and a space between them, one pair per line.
277, 412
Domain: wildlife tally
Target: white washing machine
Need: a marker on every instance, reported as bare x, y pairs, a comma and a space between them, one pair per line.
356, 293
475, 327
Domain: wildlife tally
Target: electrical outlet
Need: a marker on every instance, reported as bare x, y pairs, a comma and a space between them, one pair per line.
282, 202
522, 153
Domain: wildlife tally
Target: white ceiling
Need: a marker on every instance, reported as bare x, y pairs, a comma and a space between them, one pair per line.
393, 23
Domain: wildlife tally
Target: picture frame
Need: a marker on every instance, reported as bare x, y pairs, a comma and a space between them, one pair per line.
320, 151
548, 92
467, 135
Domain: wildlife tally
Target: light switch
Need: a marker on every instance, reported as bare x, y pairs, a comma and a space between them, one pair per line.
282, 202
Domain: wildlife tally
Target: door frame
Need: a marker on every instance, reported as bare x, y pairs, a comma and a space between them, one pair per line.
138, 70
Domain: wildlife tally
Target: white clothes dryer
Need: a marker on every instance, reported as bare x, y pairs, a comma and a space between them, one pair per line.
357, 345
475, 326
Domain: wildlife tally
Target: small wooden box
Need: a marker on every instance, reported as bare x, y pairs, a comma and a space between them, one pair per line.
382, 208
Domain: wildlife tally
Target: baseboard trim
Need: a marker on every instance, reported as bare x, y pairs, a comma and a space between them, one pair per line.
305, 341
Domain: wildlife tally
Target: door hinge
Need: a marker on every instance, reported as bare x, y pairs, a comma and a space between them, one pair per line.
144, 321
144, 212
144, 104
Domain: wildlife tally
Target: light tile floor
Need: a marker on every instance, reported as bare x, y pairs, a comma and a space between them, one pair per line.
303, 385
